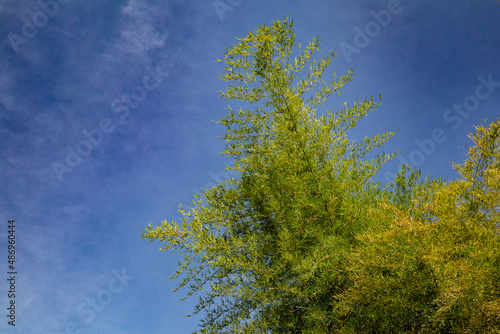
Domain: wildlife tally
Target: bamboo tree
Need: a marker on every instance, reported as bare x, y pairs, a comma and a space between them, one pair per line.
432, 262
266, 252
302, 241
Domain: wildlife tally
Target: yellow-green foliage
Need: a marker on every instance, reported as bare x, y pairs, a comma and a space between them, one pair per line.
435, 269
302, 241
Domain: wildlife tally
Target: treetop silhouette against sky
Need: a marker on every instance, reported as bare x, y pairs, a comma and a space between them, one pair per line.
121, 95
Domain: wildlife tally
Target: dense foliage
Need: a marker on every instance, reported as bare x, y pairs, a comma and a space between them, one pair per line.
303, 241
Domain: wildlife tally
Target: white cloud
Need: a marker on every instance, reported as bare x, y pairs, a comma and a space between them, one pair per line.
138, 36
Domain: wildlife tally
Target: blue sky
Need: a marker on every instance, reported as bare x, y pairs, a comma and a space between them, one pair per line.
106, 111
